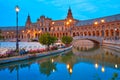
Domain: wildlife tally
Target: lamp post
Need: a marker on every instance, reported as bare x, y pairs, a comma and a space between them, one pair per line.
17, 10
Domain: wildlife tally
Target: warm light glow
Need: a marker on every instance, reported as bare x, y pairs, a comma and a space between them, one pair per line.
52, 60
115, 29
102, 20
12, 32
103, 69
28, 31
40, 31
70, 70
53, 22
67, 23
116, 66
7, 32
95, 23
68, 66
96, 65
70, 20
17, 8
53, 70
51, 28
23, 31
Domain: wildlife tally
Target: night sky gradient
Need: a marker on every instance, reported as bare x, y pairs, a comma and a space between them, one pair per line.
55, 9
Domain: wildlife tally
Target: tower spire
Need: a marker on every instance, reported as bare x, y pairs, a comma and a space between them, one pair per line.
28, 22
69, 15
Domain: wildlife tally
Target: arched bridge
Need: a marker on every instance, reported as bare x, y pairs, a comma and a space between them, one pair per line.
95, 39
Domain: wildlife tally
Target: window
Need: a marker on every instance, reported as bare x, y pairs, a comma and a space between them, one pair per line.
42, 29
117, 23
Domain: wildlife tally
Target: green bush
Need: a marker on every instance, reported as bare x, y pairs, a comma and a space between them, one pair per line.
47, 39
67, 39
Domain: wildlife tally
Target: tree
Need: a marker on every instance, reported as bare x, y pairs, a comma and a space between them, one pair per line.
47, 67
66, 39
1, 37
47, 39
53, 39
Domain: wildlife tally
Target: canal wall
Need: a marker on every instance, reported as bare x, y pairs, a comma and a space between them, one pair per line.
36, 55
112, 44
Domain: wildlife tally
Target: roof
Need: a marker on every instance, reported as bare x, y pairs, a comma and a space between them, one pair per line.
12, 28
91, 21
59, 22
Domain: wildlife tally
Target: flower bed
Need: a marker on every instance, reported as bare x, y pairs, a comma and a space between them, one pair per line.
9, 53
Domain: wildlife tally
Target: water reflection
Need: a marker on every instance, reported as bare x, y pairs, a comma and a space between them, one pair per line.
100, 56
47, 67
96, 65
85, 45
99, 64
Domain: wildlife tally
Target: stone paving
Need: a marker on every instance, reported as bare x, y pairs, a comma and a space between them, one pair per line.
7, 46
28, 56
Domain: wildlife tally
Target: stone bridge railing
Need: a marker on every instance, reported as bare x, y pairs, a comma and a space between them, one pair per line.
93, 38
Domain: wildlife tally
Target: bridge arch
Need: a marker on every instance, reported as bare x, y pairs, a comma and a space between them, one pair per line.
98, 40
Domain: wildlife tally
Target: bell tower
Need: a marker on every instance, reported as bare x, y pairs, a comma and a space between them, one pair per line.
28, 22
69, 14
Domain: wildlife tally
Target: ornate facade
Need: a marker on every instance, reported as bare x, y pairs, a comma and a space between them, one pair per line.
107, 27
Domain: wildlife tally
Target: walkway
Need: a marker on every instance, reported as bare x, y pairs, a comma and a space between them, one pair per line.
28, 56
7, 46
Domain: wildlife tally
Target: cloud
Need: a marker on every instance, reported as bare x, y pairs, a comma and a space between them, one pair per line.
80, 16
82, 5
86, 7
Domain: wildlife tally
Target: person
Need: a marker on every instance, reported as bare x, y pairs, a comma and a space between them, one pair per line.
22, 51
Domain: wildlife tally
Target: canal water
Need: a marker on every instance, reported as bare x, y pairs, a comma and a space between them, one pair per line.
86, 61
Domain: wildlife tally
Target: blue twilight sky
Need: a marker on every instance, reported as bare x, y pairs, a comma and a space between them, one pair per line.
55, 9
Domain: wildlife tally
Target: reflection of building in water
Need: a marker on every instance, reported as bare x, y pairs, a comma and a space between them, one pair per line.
110, 59
107, 27
100, 57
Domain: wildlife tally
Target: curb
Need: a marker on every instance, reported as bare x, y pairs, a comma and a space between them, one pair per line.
29, 56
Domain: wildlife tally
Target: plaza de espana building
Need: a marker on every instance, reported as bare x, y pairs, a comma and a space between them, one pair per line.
107, 27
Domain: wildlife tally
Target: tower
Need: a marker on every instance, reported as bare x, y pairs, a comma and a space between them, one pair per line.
28, 21
69, 15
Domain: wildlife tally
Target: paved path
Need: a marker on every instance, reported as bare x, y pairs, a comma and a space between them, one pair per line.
7, 46
28, 56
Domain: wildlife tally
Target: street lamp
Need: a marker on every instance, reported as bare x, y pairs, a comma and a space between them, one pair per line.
102, 20
70, 20
17, 10
67, 23
96, 23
